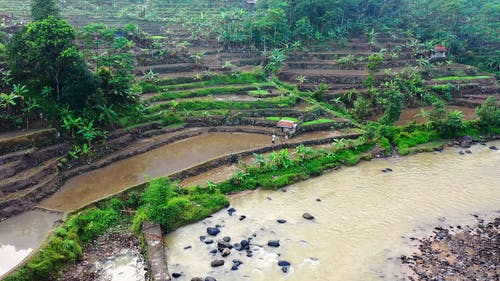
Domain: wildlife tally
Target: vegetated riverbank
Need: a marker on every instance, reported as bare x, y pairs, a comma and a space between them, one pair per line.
459, 253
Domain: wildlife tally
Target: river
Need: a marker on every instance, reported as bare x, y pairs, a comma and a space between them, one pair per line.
364, 219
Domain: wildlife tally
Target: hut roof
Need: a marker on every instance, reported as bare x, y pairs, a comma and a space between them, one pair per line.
440, 48
286, 124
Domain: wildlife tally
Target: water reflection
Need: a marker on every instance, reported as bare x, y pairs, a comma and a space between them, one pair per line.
19, 235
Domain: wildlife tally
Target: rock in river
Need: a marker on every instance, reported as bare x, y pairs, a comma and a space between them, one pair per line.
213, 231
221, 244
210, 278
281, 220
273, 243
216, 263
283, 263
230, 211
308, 216
226, 252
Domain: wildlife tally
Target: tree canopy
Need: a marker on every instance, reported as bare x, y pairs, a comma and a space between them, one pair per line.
43, 55
41, 9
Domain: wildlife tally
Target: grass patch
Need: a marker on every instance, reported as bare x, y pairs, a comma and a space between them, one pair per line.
196, 105
276, 118
258, 92
317, 121
212, 79
405, 140
461, 78
202, 92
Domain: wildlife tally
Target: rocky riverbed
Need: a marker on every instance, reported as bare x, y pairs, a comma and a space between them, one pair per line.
458, 253
117, 253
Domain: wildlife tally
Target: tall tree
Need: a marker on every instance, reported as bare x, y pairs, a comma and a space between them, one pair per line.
41, 9
43, 55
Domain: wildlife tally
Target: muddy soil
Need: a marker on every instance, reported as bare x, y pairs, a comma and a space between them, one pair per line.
106, 248
459, 253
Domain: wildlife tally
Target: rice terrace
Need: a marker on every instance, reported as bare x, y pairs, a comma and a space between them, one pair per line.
347, 140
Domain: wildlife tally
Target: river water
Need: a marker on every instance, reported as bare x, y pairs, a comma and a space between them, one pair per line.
364, 219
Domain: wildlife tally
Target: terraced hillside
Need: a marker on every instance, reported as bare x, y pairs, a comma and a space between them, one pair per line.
153, 16
345, 68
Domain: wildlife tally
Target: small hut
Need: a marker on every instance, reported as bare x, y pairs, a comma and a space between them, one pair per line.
438, 52
251, 4
288, 127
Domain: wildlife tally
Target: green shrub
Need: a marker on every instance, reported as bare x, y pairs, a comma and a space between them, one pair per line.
489, 113
405, 140
454, 124
148, 87
385, 144
173, 207
461, 78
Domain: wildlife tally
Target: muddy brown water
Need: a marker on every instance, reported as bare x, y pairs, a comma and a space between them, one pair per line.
21, 234
362, 223
88, 187
413, 114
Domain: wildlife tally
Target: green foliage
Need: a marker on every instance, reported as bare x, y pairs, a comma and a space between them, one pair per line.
3, 52
374, 62
320, 93
385, 144
274, 61
362, 107
166, 204
391, 100
454, 124
346, 61
461, 78
438, 113
230, 89
148, 87
42, 9
369, 81
196, 105
445, 91
317, 121
43, 54
489, 113
404, 140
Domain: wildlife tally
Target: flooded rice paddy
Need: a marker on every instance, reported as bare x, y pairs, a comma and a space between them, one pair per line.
21, 234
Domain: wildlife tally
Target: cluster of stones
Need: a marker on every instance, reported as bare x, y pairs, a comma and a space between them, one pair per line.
224, 247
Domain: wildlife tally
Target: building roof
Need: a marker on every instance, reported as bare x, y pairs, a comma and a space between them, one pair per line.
286, 124
440, 48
